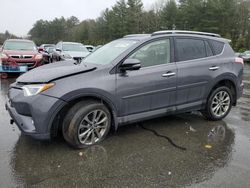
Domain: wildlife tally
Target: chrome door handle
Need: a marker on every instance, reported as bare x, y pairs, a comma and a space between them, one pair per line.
168, 74
214, 68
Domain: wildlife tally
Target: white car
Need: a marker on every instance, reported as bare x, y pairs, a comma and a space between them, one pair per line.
90, 48
69, 50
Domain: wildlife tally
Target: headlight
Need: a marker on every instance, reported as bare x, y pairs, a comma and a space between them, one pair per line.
66, 56
30, 90
3, 56
39, 56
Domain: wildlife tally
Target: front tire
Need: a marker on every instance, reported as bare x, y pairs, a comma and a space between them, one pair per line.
218, 104
86, 123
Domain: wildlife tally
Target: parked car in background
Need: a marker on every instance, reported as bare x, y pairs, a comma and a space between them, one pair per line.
246, 56
90, 48
237, 54
128, 80
20, 52
47, 54
43, 47
69, 50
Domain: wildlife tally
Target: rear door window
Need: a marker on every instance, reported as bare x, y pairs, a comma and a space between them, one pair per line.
188, 49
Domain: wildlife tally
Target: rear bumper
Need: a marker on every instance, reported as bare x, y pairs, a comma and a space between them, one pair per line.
240, 91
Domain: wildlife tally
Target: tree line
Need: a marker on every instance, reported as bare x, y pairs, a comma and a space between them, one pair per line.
7, 35
229, 18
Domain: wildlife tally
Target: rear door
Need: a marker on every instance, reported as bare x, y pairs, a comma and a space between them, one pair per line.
194, 74
154, 85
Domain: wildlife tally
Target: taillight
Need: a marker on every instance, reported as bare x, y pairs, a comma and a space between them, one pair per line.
239, 60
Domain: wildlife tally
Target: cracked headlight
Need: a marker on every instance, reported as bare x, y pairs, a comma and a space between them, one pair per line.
34, 89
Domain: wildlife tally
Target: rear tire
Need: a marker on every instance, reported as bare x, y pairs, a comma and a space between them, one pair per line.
86, 123
218, 104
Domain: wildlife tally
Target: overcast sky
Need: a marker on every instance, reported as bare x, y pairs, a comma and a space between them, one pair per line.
18, 16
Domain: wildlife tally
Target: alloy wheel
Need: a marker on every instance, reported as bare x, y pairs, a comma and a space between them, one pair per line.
93, 127
220, 103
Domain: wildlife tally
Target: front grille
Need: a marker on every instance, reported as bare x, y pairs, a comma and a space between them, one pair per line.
22, 56
77, 58
15, 56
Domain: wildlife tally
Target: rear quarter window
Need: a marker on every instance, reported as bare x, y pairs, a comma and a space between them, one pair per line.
217, 46
208, 49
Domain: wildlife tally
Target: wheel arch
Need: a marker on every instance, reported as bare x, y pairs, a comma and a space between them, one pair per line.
225, 81
57, 119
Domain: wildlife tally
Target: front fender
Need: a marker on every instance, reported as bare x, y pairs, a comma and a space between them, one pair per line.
91, 93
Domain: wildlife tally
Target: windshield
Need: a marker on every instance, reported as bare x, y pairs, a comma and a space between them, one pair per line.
109, 52
74, 47
50, 49
19, 45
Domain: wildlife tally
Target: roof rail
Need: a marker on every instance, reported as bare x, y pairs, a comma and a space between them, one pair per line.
136, 35
184, 32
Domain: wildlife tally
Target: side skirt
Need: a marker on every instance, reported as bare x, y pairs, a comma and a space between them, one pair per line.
198, 105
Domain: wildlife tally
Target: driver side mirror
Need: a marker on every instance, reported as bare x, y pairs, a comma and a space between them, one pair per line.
131, 64
58, 50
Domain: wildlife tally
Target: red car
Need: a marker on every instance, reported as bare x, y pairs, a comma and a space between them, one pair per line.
19, 52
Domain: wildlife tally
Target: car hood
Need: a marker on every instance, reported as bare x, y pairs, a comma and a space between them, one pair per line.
54, 71
76, 54
20, 52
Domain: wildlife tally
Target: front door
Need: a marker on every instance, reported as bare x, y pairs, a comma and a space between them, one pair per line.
152, 87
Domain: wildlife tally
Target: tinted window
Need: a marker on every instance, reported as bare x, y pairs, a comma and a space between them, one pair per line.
217, 46
208, 49
188, 49
154, 53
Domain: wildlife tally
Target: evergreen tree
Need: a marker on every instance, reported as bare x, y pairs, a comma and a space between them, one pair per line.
229, 18
169, 15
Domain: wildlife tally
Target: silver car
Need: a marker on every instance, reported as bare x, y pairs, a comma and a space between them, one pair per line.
69, 51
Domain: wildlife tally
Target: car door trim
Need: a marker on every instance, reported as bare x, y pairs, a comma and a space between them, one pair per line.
150, 93
191, 85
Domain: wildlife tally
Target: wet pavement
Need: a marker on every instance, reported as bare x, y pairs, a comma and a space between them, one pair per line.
175, 151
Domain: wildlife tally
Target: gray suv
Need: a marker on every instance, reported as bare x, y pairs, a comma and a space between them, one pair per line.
128, 80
